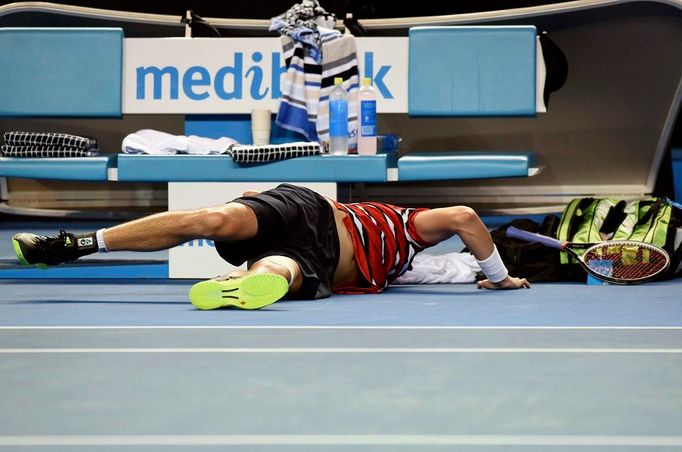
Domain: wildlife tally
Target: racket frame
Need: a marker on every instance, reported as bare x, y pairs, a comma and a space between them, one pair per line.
570, 248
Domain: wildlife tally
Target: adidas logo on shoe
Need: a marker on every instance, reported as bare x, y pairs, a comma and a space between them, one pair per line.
45, 251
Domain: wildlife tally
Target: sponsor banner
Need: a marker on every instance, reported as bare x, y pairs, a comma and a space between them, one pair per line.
198, 259
237, 75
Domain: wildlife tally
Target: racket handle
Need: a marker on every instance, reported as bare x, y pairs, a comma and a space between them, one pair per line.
516, 233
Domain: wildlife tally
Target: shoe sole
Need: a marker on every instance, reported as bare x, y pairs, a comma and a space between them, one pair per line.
248, 292
20, 256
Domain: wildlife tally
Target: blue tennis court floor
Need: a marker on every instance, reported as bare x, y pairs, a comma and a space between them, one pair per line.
131, 365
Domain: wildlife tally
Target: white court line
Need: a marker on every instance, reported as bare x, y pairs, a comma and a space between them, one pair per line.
328, 327
328, 440
342, 350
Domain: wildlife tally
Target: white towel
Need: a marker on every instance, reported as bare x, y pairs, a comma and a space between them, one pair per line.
148, 141
540, 77
448, 268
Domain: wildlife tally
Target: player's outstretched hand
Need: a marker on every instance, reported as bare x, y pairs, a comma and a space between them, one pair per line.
507, 283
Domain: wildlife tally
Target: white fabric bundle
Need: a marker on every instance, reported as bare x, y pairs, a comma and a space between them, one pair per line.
148, 141
448, 268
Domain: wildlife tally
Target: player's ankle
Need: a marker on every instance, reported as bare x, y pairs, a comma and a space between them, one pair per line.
85, 244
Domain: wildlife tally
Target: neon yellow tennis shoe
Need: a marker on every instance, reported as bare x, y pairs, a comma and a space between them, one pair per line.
252, 291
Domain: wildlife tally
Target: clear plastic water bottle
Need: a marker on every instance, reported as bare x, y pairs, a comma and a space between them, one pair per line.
367, 138
338, 119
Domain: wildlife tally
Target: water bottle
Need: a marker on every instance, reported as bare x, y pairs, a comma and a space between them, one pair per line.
367, 138
338, 119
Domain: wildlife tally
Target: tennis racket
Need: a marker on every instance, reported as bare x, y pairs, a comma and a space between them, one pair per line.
615, 261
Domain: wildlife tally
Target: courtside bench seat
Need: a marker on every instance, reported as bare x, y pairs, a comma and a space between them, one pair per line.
221, 168
68, 168
324, 168
328, 168
425, 166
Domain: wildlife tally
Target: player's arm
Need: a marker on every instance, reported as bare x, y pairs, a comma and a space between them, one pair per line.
436, 225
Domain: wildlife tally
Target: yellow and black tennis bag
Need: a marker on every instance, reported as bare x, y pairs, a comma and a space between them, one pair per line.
652, 220
590, 220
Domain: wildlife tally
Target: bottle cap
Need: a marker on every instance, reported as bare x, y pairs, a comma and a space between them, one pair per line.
366, 81
338, 80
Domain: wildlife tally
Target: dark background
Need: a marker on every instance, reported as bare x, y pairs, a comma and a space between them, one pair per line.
361, 9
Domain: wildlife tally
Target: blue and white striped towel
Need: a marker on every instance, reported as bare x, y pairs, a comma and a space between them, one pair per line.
304, 106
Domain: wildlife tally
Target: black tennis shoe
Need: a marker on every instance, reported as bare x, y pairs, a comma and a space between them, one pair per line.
47, 251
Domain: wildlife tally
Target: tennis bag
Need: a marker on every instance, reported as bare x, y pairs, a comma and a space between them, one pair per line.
652, 220
530, 260
588, 220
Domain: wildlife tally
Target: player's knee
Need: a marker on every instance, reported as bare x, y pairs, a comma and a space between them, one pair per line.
204, 223
224, 222
213, 223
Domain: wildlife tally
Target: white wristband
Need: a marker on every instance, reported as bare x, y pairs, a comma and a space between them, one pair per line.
493, 267
101, 246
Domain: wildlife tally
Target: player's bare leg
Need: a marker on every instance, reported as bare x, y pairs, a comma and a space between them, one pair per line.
165, 230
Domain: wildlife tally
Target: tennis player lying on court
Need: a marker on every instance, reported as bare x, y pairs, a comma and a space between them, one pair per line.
293, 240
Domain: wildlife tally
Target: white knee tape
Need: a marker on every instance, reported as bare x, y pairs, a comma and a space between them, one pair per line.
493, 267
288, 263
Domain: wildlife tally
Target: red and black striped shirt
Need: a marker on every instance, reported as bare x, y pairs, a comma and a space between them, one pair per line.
385, 241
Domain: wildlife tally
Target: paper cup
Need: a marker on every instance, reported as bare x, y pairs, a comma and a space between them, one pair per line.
261, 122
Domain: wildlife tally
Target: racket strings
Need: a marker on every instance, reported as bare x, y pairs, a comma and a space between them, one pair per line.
627, 262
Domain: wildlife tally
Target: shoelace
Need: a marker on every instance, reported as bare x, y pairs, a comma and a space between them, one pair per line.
53, 244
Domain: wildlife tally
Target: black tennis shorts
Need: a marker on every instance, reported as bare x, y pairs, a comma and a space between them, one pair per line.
295, 222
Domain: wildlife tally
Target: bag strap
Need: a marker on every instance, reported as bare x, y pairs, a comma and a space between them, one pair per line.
654, 223
614, 218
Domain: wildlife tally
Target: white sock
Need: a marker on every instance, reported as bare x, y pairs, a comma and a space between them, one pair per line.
101, 245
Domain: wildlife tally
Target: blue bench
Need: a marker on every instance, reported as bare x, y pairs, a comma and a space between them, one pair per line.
453, 71
469, 71
425, 166
220, 168
71, 168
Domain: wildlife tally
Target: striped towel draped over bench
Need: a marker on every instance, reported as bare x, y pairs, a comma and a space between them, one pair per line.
304, 107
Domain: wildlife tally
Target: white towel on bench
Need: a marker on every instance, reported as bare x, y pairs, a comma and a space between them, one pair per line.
150, 141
